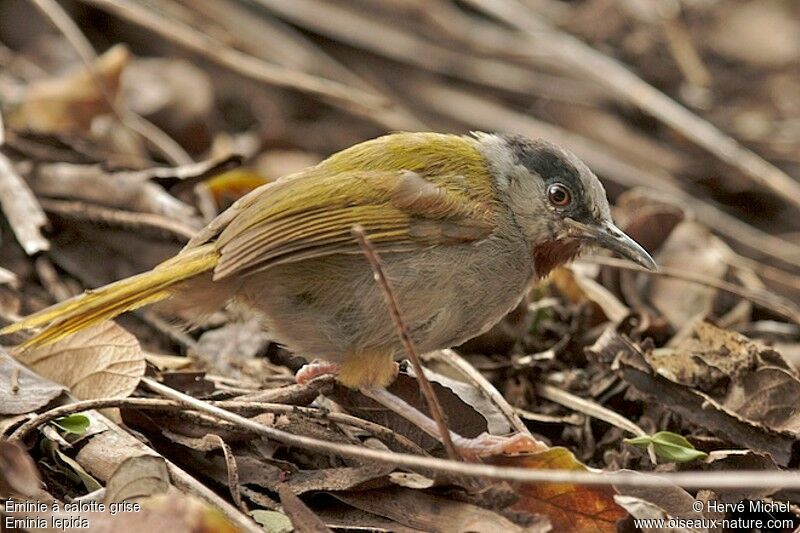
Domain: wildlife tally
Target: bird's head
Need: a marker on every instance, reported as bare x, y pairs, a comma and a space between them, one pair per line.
558, 203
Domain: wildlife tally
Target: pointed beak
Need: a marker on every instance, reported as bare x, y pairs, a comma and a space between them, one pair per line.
610, 237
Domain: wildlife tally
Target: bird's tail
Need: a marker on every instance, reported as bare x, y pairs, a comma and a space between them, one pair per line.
96, 305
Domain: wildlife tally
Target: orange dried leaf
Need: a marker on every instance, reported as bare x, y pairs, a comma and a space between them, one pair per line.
569, 507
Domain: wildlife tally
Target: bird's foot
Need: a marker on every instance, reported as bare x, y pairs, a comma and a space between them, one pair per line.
315, 370
486, 445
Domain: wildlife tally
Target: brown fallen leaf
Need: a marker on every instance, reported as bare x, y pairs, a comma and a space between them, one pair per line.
463, 418
100, 362
347, 518
429, 512
692, 248
569, 507
303, 519
23, 391
18, 474
658, 502
733, 406
731, 460
136, 478
68, 103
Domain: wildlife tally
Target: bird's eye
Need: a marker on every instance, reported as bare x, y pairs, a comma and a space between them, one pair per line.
559, 195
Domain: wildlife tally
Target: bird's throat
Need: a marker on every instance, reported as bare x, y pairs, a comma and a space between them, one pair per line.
550, 254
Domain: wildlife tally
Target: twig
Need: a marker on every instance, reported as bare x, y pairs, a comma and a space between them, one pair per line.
77, 210
22, 210
381, 432
612, 74
718, 480
477, 379
766, 299
346, 97
405, 337
147, 130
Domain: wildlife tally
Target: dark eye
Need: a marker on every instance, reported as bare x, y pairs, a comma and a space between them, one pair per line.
559, 195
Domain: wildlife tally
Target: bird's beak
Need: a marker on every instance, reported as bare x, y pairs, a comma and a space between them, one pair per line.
609, 236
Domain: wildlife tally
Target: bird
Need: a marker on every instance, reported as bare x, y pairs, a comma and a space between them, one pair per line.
463, 224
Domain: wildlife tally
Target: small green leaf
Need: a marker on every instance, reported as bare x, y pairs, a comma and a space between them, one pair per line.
272, 521
669, 447
72, 424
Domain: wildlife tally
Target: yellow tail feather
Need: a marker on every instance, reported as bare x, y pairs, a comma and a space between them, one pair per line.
96, 305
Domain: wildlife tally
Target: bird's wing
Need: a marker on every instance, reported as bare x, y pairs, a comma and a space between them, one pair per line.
310, 216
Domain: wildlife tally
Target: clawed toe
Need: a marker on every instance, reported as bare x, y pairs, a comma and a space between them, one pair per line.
314, 370
486, 445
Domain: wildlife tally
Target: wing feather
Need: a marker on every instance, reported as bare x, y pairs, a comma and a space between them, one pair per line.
312, 216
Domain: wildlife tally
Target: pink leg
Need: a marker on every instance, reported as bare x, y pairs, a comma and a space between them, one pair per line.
484, 445
314, 370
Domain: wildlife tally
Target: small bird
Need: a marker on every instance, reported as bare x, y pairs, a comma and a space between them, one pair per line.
463, 226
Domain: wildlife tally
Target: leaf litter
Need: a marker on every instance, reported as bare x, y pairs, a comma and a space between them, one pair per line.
706, 370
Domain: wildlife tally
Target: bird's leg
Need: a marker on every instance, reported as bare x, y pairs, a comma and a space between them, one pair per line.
315, 369
483, 445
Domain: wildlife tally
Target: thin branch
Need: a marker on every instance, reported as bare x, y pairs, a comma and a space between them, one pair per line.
612, 74
405, 337
766, 299
147, 130
717, 480
381, 432
349, 98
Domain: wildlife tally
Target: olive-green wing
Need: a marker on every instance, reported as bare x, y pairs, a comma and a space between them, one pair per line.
310, 216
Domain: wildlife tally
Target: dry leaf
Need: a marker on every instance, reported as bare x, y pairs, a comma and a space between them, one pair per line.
430, 512
690, 248
23, 391
733, 406
69, 103
101, 362
18, 474
303, 519
136, 478
576, 508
